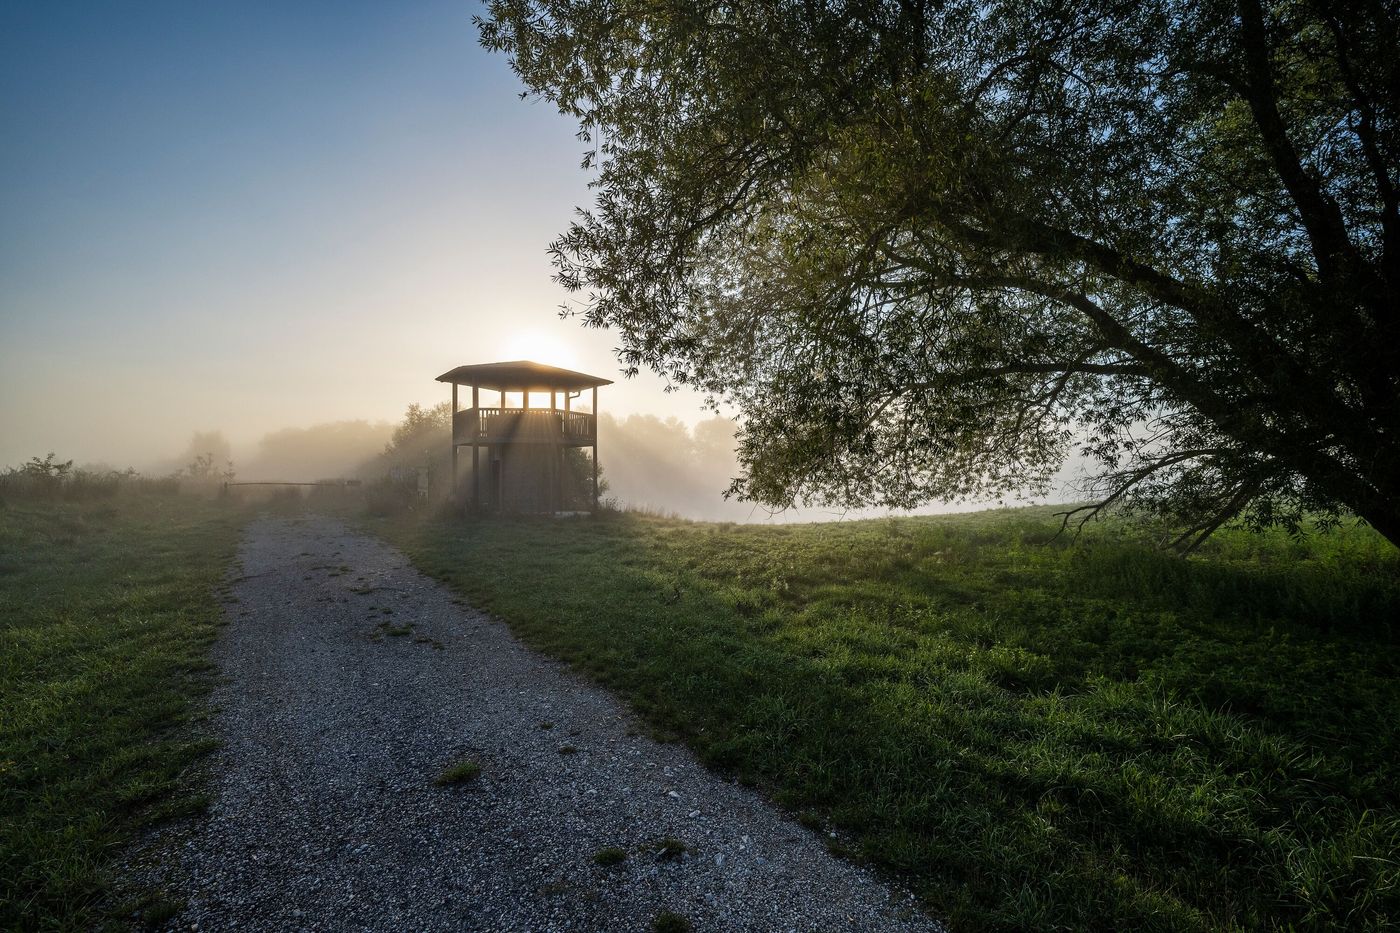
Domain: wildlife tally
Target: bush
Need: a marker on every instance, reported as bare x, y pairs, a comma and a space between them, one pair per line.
51, 478
286, 499
153, 485
392, 496
334, 494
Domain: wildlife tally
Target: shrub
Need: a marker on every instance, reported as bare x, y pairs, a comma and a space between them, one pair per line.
391, 496
51, 478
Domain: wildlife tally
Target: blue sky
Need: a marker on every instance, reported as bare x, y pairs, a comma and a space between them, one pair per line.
244, 216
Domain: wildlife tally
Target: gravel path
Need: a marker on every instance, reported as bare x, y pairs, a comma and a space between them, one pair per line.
353, 681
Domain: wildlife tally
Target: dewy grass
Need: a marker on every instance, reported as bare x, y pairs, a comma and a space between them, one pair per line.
1037, 731
610, 856
459, 773
669, 848
668, 921
106, 612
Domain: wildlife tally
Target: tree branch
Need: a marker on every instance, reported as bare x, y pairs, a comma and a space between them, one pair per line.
1332, 248
1370, 148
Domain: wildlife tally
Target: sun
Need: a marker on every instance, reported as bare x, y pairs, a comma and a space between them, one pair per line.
542, 347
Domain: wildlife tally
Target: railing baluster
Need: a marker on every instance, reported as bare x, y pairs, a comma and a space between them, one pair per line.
506, 424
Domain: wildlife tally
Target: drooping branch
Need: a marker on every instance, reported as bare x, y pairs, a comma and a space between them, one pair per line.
1192, 538
1124, 482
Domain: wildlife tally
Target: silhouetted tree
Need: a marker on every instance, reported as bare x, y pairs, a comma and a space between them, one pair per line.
420, 424
422, 440
208, 456
924, 247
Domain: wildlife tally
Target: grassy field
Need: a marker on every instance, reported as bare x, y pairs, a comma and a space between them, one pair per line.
1038, 733
106, 612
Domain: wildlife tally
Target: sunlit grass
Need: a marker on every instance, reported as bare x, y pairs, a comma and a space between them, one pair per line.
1038, 732
106, 613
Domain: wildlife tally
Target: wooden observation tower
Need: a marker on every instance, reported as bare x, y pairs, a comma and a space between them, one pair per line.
525, 457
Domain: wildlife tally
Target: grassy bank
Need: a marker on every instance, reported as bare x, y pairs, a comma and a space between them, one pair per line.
1038, 733
106, 611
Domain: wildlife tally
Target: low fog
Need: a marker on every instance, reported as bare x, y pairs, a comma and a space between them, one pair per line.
652, 463
649, 463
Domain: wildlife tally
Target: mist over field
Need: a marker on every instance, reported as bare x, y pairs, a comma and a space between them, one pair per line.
650, 463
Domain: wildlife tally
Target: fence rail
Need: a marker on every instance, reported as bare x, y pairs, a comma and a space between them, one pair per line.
523, 426
272, 482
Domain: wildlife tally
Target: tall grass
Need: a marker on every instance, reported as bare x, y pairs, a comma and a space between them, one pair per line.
1040, 732
48, 479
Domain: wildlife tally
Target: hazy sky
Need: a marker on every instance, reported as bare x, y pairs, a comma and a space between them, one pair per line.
245, 216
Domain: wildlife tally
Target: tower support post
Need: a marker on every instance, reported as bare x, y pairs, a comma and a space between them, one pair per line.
595, 448
476, 455
453, 494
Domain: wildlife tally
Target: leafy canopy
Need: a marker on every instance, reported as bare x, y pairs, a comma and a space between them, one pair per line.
927, 248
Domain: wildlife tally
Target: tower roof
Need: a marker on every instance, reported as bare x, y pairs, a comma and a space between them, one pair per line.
521, 376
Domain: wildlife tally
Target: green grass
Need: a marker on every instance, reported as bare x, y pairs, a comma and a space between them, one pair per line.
668, 921
610, 856
106, 612
459, 773
1036, 732
669, 848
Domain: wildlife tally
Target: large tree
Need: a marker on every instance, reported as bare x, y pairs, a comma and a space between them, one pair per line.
927, 248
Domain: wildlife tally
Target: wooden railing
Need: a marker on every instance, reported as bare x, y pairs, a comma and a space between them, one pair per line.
523, 426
